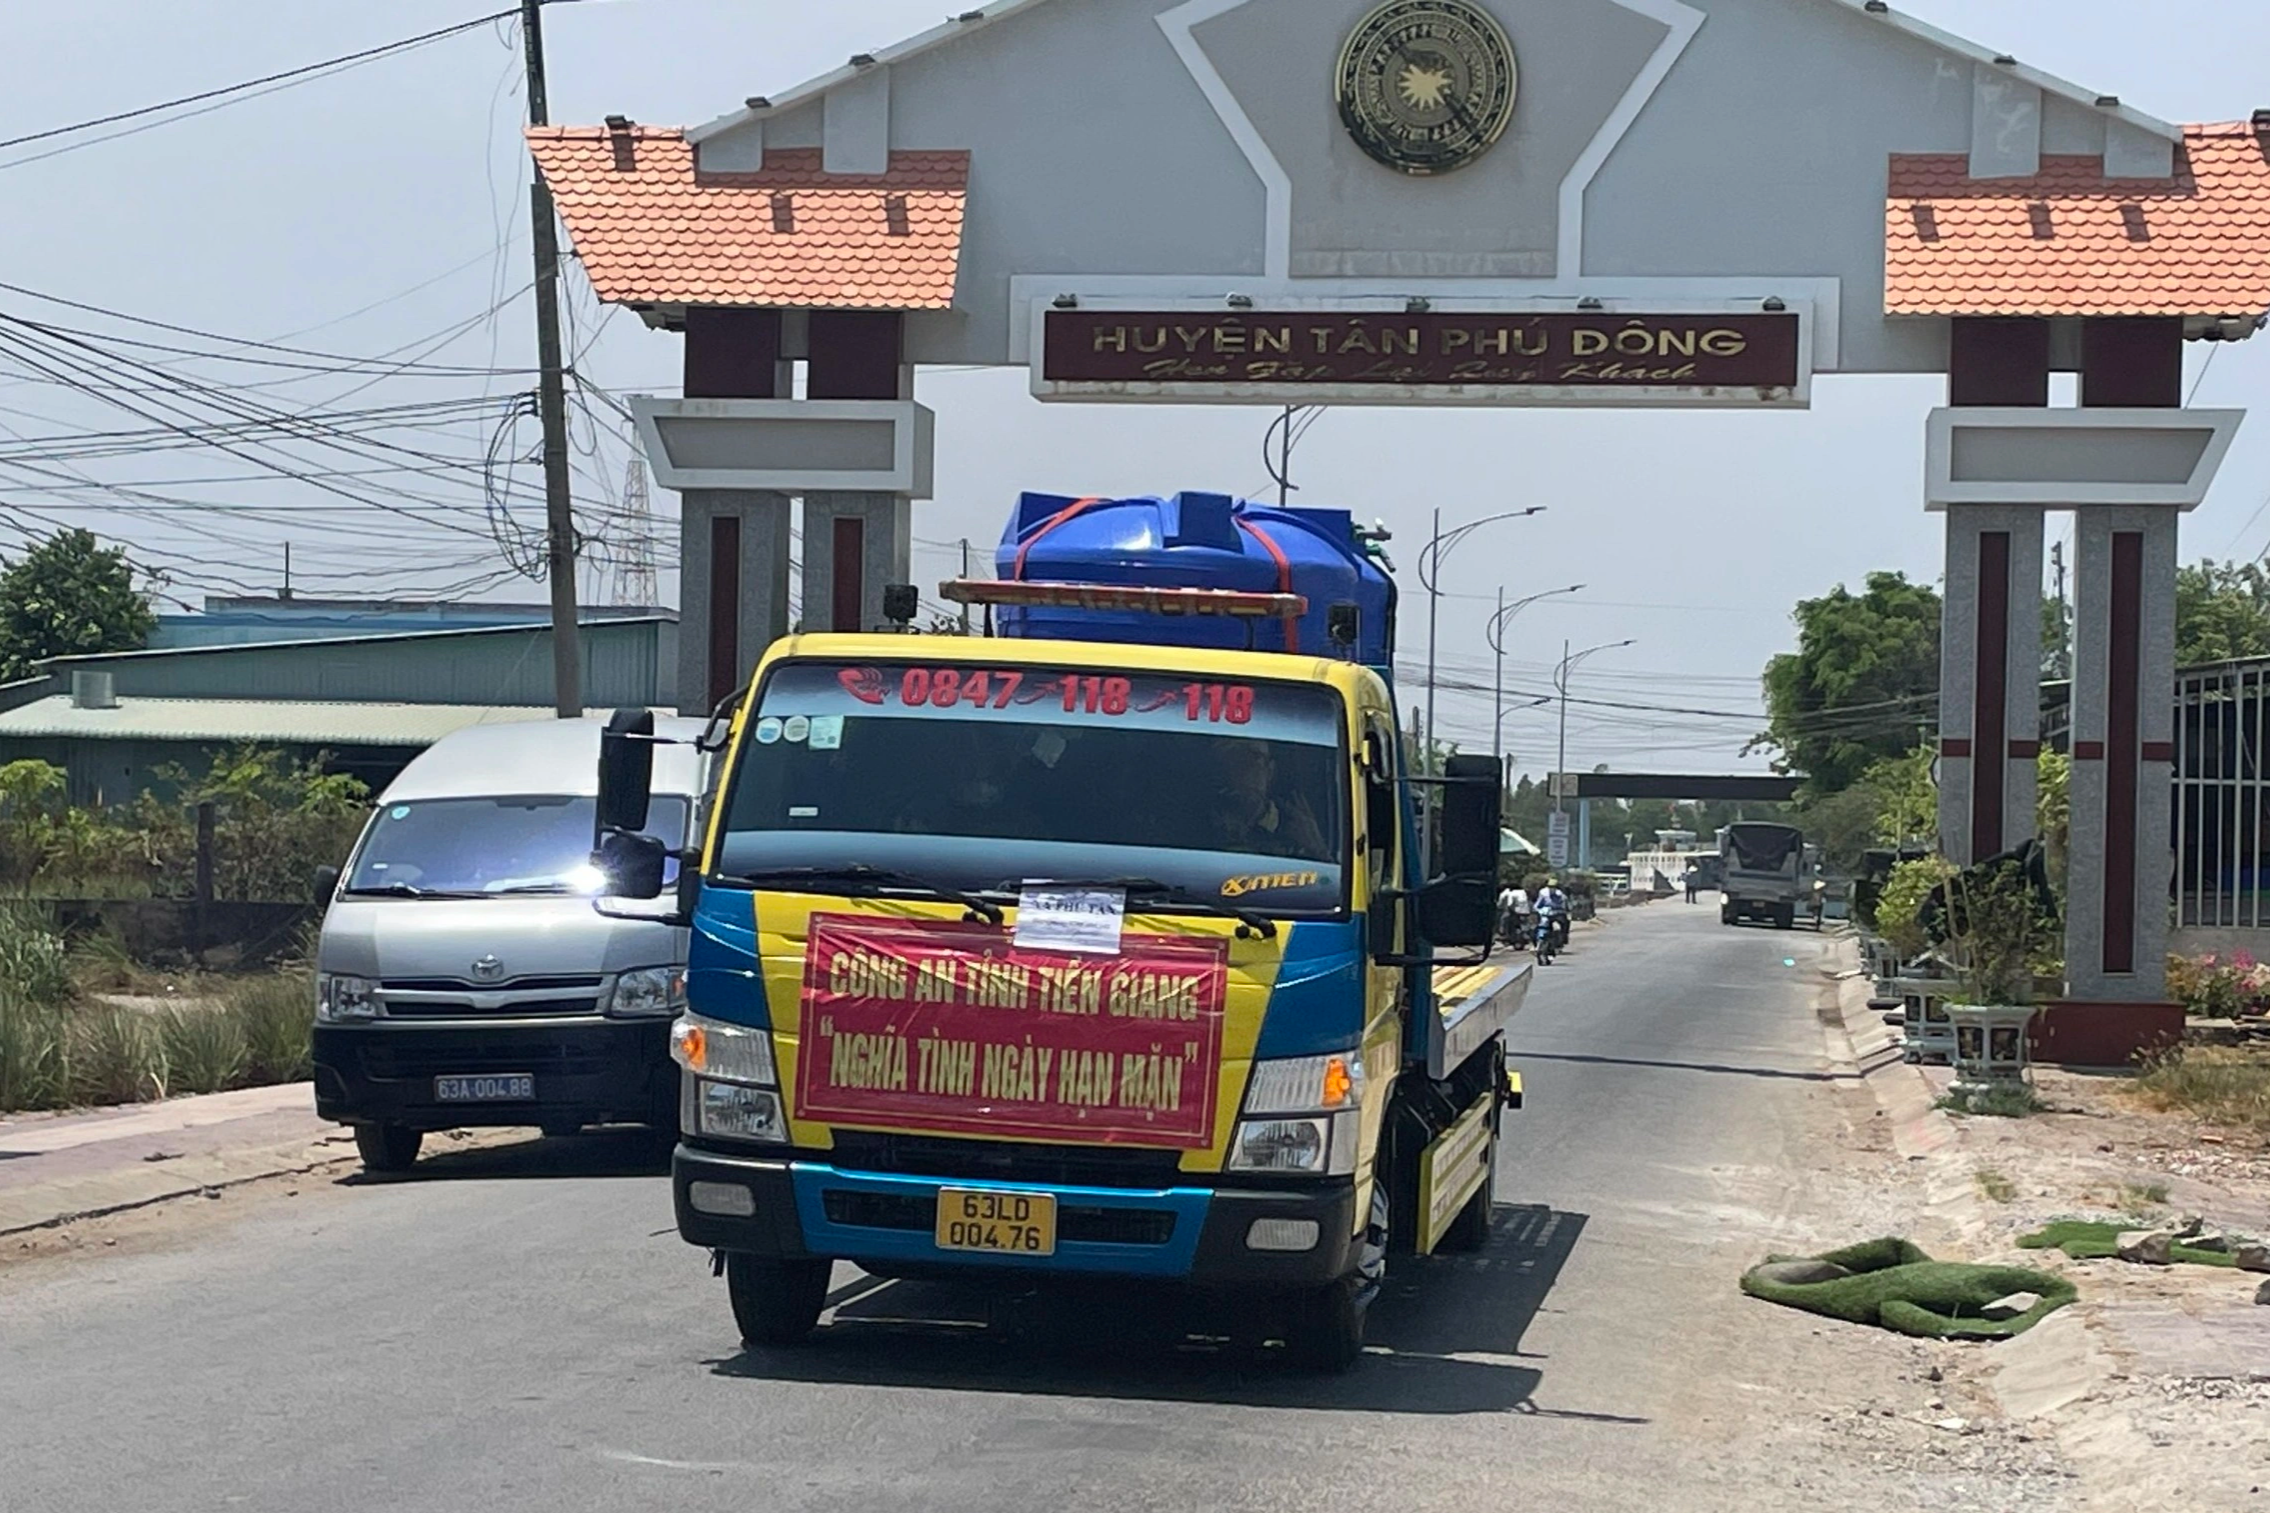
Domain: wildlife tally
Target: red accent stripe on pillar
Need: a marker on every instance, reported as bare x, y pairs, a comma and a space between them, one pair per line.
1954, 746
2088, 751
2121, 730
1990, 712
724, 607
2024, 751
850, 576
2159, 751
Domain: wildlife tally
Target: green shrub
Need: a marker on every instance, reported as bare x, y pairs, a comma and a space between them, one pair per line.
115, 1055
205, 1050
276, 1015
1900, 908
32, 1068
34, 966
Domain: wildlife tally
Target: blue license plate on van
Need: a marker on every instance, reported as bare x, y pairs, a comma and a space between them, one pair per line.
496, 1087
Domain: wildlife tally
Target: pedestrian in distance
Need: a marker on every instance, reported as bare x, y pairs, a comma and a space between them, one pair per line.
1689, 879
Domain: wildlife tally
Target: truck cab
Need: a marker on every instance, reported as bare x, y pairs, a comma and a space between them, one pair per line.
1050, 958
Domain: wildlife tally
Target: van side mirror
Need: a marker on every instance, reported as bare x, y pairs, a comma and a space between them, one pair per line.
322, 883
626, 773
632, 863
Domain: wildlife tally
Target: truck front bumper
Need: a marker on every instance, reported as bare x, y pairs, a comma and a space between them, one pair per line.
789, 1208
585, 1071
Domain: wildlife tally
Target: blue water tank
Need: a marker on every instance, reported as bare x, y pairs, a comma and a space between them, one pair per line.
1196, 541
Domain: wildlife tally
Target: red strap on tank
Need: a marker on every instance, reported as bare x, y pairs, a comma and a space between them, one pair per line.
1076, 507
1284, 577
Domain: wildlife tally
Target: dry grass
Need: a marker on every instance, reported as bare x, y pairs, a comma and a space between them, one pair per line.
2227, 1085
1996, 1186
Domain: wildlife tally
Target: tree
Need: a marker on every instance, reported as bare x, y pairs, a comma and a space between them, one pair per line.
1862, 683
68, 596
2222, 613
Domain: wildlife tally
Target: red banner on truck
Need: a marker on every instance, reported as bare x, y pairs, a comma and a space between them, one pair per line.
953, 1028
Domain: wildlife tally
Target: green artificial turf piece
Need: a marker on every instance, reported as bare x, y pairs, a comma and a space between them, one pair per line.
2088, 1240
1894, 1285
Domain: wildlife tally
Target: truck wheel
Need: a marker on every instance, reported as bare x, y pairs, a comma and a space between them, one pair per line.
1726, 914
1327, 1329
1470, 1231
775, 1302
1786, 919
387, 1147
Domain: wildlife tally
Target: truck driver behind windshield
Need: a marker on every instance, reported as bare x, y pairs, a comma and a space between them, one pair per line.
1247, 813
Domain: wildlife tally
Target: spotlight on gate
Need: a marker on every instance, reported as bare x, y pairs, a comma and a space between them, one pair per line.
1777, 304
901, 604
1241, 302
1067, 302
1418, 306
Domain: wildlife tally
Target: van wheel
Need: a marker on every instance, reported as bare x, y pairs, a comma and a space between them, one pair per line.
775, 1302
387, 1147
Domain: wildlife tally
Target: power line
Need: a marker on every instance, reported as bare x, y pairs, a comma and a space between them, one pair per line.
303, 72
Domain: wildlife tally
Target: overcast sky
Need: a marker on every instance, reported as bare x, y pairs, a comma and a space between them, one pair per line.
382, 211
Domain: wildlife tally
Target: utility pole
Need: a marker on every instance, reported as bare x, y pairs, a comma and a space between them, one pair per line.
2063, 665
1561, 763
287, 593
551, 397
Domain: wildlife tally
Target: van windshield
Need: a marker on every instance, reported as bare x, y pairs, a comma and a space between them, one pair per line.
476, 847
980, 778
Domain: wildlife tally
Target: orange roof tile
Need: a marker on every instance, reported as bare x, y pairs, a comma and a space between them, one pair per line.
650, 229
2072, 242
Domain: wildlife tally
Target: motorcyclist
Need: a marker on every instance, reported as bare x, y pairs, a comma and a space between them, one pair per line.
1552, 906
1513, 911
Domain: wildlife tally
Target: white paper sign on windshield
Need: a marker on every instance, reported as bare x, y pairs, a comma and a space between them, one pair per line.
1055, 918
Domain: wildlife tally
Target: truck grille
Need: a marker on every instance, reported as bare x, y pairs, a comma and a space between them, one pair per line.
1077, 1223
1044, 1165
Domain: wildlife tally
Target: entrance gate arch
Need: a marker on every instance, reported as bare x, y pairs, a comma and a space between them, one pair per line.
1700, 203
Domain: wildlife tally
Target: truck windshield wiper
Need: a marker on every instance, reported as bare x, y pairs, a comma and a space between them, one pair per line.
871, 882
1166, 893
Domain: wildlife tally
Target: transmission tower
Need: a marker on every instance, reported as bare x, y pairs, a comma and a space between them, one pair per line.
634, 562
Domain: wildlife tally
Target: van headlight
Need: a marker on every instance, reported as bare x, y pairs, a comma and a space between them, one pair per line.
649, 993
340, 999
721, 1052
1318, 1147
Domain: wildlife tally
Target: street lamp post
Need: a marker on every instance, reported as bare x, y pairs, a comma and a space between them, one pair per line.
1430, 578
1498, 623
1561, 686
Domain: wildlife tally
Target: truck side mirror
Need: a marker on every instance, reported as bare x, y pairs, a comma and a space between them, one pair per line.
1473, 798
626, 773
632, 863
1459, 908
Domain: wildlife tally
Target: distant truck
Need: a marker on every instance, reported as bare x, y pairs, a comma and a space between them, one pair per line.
1766, 873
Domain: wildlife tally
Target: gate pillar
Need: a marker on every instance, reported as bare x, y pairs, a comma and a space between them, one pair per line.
1990, 680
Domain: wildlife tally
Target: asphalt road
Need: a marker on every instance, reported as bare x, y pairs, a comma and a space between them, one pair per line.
522, 1329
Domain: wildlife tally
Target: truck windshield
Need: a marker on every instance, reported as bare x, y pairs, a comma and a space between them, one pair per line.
981, 777
1763, 848
476, 846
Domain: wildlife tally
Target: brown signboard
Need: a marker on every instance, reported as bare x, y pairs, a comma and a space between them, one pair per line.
1194, 351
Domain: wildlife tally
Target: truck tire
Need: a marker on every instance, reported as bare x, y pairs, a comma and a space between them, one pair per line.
1726, 914
387, 1148
1470, 1231
1787, 918
1326, 1332
775, 1302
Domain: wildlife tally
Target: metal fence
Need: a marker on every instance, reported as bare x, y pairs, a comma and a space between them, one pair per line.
2222, 795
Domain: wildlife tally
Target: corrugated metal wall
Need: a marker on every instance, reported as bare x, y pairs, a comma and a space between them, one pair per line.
622, 664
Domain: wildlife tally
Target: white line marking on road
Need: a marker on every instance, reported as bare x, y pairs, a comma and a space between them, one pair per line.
633, 1458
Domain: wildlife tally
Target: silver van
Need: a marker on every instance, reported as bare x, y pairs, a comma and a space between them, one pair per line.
467, 974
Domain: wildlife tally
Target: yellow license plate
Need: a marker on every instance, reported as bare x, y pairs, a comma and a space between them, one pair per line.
998, 1223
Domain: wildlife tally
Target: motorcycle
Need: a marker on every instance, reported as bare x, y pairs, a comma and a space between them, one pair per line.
1547, 938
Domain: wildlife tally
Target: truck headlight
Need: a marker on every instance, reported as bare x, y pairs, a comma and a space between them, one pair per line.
1306, 1084
733, 1112
723, 1052
341, 999
1316, 1147
649, 993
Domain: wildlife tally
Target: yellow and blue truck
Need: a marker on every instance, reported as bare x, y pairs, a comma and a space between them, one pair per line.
1101, 947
